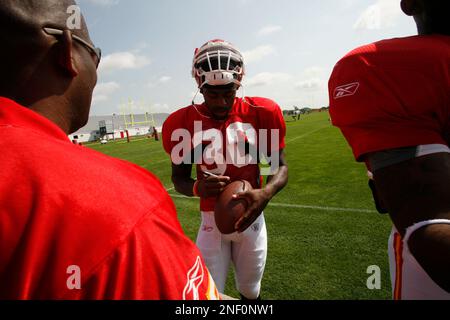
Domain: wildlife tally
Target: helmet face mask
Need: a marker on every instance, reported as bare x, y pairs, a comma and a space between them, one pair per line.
218, 63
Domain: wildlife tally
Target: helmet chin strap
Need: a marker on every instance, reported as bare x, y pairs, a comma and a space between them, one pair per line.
195, 96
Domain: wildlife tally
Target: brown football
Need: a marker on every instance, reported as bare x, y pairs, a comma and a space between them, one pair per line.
228, 210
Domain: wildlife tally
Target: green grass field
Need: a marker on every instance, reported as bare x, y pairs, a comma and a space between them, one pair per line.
323, 229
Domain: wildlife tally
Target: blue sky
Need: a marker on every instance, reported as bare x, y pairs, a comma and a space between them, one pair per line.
290, 46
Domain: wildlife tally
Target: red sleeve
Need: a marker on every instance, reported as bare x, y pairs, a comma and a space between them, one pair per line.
155, 262
167, 134
174, 121
381, 103
271, 118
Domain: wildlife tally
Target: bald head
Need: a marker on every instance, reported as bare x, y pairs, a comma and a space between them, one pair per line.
21, 24
49, 73
35, 14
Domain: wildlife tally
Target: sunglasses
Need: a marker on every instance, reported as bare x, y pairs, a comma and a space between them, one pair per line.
94, 50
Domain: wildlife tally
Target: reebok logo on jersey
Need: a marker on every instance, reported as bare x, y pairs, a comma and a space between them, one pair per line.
346, 90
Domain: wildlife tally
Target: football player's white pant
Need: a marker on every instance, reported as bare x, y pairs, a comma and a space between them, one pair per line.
247, 251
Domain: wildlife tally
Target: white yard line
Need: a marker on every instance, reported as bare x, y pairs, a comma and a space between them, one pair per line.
307, 133
135, 140
301, 206
159, 161
298, 206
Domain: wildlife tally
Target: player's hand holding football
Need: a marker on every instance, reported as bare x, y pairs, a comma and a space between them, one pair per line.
212, 186
257, 200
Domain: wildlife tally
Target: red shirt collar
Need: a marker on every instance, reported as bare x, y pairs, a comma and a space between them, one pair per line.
15, 115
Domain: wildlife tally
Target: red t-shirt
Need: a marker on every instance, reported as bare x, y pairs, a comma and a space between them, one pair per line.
393, 93
71, 217
252, 121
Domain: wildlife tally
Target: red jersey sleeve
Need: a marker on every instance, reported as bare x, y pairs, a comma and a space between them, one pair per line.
271, 118
167, 130
391, 94
177, 141
175, 121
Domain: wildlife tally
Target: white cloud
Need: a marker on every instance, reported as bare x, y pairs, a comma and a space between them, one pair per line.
103, 91
267, 78
164, 79
267, 30
382, 14
314, 71
311, 84
123, 60
258, 53
161, 81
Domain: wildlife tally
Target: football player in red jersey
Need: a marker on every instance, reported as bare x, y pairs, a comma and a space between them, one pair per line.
225, 137
391, 101
61, 235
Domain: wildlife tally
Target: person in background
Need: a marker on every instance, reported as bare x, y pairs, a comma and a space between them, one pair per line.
391, 100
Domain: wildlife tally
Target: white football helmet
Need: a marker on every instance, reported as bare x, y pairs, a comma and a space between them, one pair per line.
218, 63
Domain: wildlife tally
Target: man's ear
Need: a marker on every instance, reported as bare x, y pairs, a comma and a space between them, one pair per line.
65, 59
412, 7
